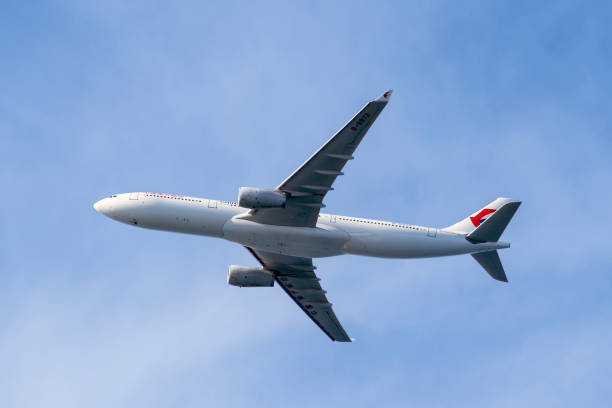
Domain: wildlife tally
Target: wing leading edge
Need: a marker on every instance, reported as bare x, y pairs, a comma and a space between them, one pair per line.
297, 278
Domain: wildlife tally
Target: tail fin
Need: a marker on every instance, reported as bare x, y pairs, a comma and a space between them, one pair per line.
487, 225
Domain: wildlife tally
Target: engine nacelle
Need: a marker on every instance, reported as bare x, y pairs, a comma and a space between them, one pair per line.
249, 197
246, 276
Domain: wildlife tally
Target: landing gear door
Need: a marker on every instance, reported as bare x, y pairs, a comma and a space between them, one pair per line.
134, 196
432, 232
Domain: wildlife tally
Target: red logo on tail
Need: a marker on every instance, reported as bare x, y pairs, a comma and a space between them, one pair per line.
478, 218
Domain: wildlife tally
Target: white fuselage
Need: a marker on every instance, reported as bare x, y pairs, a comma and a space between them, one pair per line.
333, 234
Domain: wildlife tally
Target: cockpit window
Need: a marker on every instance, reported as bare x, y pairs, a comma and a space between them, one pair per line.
113, 196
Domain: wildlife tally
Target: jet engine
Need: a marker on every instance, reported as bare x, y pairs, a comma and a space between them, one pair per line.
249, 197
246, 276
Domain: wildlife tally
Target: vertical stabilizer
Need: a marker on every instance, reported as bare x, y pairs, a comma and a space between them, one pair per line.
491, 230
488, 223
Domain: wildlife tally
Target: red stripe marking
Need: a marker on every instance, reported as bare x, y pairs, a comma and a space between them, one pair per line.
476, 220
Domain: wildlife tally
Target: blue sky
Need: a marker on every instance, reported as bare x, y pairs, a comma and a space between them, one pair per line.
505, 99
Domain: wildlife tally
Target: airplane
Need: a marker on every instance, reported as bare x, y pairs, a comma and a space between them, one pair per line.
284, 229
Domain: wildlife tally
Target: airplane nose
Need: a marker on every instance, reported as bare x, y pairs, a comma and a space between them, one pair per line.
99, 206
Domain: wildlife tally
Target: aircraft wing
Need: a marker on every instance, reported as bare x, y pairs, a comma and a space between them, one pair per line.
307, 186
296, 276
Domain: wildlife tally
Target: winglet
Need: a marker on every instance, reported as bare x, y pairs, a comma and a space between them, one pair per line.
384, 97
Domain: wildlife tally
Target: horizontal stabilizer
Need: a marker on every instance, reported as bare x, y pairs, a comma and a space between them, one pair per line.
492, 264
491, 229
